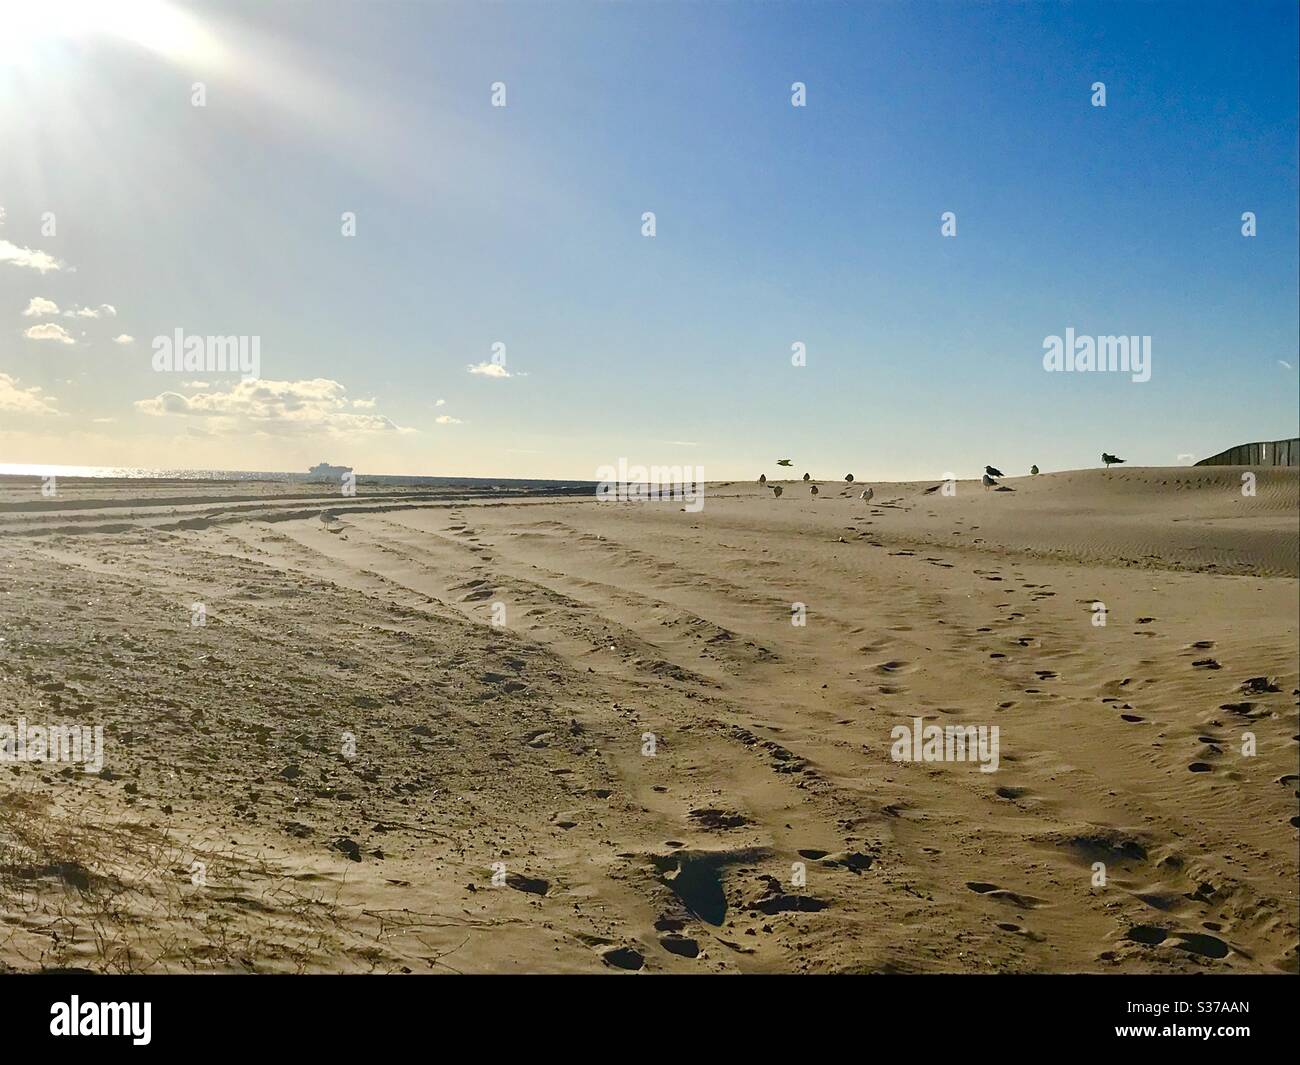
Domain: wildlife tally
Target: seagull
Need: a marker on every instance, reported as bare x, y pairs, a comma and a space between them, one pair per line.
762, 478
1108, 459
1033, 471
987, 481
331, 521
993, 471
867, 493
849, 477
776, 491
783, 462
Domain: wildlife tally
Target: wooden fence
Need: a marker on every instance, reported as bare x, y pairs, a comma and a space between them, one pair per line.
1265, 453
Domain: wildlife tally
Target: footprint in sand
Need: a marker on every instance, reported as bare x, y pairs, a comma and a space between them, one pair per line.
895, 667
1193, 942
682, 946
992, 891
717, 820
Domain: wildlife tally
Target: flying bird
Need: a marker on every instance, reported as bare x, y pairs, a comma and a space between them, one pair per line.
1108, 459
867, 493
784, 462
993, 471
987, 481
1033, 471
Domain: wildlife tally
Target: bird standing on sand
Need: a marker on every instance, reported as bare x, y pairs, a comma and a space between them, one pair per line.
849, 478
807, 476
1108, 459
988, 482
331, 521
867, 493
993, 471
784, 462
814, 490
1033, 470
762, 478
776, 491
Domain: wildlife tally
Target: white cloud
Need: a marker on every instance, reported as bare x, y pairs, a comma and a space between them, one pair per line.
447, 419
1284, 364
1186, 457
279, 408
48, 331
104, 310
39, 306
103, 421
124, 338
489, 369
15, 400
40, 261
363, 404
440, 403
196, 384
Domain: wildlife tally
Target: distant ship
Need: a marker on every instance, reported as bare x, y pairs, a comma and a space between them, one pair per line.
323, 471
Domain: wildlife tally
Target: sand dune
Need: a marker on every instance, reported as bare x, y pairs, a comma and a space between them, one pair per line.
373, 725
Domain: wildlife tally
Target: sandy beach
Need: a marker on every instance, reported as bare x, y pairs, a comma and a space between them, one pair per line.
468, 731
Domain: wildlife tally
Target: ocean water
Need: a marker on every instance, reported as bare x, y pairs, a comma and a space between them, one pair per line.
160, 473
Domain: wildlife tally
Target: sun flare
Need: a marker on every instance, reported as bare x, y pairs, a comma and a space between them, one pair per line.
157, 25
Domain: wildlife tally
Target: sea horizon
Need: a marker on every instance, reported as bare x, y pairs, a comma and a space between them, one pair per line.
159, 473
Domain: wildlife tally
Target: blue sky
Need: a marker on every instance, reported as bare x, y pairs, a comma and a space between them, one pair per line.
775, 224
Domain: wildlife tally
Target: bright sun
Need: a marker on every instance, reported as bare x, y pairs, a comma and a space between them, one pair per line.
154, 24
